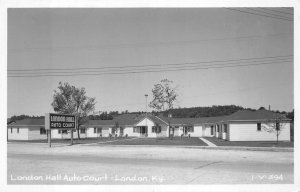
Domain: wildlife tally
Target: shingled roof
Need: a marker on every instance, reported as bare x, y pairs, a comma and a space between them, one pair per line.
247, 115
29, 121
133, 119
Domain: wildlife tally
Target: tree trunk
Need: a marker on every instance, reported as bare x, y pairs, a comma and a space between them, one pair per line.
78, 133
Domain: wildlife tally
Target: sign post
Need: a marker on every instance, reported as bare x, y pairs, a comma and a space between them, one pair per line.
49, 137
61, 122
71, 137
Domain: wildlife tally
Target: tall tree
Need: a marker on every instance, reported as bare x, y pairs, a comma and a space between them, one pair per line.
68, 99
164, 96
275, 125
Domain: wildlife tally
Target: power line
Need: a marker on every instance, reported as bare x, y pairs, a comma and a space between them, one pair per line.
91, 47
168, 64
278, 11
276, 15
153, 71
163, 67
258, 14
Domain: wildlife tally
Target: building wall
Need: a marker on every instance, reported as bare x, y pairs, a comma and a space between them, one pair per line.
56, 135
91, 134
22, 135
207, 131
247, 131
129, 131
106, 131
34, 134
197, 131
150, 124
178, 130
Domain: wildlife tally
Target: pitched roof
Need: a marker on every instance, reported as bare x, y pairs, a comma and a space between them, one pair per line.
132, 119
127, 119
184, 121
253, 115
100, 122
29, 122
152, 118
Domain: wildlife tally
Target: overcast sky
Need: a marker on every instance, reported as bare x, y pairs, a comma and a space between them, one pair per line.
97, 38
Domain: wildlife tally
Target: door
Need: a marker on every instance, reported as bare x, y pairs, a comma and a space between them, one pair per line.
143, 130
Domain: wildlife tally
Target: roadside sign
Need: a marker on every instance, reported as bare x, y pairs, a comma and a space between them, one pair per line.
59, 121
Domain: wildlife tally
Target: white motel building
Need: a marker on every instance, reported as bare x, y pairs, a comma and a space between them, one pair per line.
242, 125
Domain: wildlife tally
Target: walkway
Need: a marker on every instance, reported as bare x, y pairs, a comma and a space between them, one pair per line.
210, 144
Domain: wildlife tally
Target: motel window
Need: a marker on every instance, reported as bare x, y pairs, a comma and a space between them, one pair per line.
225, 128
64, 131
82, 131
99, 130
11, 130
42, 131
153, 129
156, 129
258, 126
18, 130
59, 131
159, 129
95, 130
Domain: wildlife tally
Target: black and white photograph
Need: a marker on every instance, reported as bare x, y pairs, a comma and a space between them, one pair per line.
145, 97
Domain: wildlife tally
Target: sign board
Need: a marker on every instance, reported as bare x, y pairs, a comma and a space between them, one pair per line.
59, 121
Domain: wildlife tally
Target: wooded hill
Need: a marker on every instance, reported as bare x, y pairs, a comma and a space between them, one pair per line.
192, 112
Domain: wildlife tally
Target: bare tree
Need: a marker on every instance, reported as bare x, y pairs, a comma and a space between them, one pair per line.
275, 125
164, 97
71, 100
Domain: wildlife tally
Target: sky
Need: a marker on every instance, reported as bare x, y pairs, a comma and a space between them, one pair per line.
89, 38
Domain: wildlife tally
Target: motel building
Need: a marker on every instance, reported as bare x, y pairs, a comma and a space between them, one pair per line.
243, 125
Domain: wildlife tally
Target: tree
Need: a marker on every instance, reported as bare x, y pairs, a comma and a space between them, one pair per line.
68, 99
275, 125
262, 108
164, 96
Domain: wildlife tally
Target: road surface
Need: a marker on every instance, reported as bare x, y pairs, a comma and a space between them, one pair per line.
98, 164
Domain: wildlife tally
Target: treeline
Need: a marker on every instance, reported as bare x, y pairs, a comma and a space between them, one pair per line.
215, 110
195, 112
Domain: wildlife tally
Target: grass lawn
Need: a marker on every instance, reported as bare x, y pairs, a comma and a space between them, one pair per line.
75, 141
221, 142
193, 141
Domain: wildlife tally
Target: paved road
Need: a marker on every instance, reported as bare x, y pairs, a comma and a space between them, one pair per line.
38, 164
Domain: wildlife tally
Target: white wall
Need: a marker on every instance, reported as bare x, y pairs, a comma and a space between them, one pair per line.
91, 134
130, 133
149, 123
56, 135
34, 134
22, 135
248, 132
207, 131
197, 131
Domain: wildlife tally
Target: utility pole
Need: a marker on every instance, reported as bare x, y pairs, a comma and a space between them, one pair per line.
146, 96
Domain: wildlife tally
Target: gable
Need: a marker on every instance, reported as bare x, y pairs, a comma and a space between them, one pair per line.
145, 122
